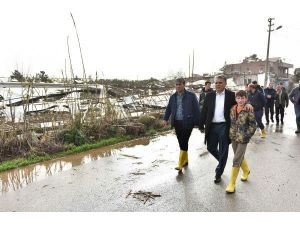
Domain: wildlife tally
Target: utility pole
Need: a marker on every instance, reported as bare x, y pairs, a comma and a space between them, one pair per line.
189, 66
193, 67
268, 48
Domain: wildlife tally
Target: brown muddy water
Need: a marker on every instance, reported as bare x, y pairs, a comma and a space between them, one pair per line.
18, 178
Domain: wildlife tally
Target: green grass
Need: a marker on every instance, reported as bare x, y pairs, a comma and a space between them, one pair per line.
151, 132
32, 159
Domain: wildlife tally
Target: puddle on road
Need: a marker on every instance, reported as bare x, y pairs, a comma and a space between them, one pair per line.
19, 178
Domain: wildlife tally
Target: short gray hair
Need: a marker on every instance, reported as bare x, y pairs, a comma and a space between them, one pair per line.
222, 77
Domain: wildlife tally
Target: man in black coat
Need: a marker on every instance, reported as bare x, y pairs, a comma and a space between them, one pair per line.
270, 95
215, 117
203, 93
281, 102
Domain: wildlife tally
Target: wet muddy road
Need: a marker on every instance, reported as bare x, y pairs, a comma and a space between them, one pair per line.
140, 176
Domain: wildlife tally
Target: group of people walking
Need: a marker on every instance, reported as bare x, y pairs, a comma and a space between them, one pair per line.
226, 118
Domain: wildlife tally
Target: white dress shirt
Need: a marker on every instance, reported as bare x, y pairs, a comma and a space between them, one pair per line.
219, 108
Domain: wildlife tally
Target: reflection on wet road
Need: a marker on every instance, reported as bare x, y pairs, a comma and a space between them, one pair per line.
19, 178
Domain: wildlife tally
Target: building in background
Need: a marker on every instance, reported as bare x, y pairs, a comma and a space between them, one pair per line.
252, 68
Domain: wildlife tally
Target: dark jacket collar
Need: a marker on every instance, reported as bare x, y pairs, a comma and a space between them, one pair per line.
183, 94
225, 91
209, 90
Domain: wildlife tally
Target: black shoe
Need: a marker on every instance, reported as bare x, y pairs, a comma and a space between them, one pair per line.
282, 122
272, 120
217, 179
267, 123
277, 123
297, 131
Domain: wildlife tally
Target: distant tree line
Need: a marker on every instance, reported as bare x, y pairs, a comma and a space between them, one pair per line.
39, 77
140, 84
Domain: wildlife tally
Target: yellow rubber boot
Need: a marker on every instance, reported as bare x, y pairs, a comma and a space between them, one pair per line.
231, 186
182, 158
246, 170
186, 160
263, 133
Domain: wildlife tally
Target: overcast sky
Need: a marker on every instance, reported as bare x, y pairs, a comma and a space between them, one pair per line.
132, 39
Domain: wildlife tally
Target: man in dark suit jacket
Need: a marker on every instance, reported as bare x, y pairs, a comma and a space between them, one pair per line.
215, 116
184, 111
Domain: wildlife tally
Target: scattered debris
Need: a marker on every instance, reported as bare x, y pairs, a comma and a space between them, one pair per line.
203, 153
292, 156
161, 161
137, 163
143, 196
131, 156
138, 173
275, 143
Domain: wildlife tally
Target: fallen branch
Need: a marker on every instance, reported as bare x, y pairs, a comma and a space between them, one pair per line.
143, 196
129, 193
131, 156
203, 153
138, 173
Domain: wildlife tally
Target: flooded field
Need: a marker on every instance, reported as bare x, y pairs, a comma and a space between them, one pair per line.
19, 178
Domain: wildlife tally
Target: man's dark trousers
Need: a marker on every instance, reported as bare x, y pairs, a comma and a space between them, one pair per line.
258, 117
217, 137
269, 108
279, 110
297, 112
183, 135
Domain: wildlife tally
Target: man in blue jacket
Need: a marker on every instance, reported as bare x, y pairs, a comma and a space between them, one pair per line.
184, 113
258, 87
258, 101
